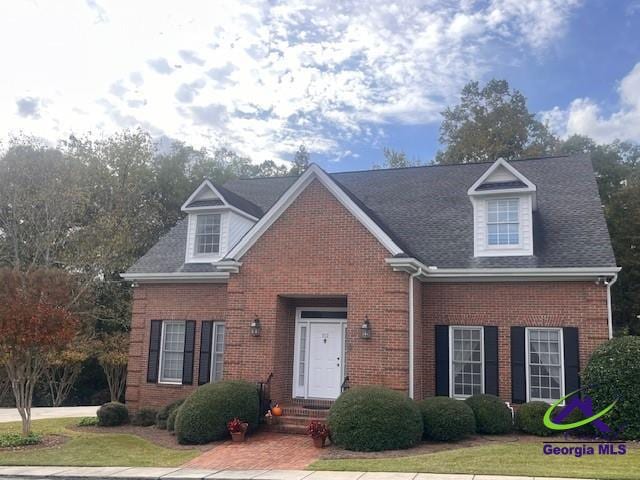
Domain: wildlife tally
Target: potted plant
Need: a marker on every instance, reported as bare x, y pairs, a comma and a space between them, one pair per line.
237, 429
319, 432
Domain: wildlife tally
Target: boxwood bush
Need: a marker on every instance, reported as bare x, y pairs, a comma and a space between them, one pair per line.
144, 417
529, 419
164, 412
113, 414
171, 420
204, 414
446, 419
612, 373
492, 414
373, 419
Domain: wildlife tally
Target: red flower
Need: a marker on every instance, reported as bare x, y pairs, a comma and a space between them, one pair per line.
317, 430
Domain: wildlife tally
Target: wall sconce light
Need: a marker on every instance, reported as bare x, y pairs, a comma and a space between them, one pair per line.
255, 327
365, 330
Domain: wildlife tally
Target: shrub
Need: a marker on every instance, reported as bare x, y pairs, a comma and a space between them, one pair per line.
145, 417
88, 422
204, 414
492, 414
612, 373
8, 440
529, 419
164, 412
113, 414
374, 419
446, 419
171, 421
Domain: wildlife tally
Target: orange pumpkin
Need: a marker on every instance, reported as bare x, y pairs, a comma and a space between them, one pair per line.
276, 411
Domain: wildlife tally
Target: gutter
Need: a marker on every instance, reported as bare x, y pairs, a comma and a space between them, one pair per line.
609, 284
177, 277
417, 273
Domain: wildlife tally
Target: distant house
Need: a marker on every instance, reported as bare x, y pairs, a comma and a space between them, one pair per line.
436, 280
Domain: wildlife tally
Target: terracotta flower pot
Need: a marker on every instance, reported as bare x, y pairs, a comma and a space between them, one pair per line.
318, 442
237, 436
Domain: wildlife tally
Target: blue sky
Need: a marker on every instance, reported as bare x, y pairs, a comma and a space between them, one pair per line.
346, 79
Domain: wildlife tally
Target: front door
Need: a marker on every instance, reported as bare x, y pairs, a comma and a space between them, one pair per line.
325, 360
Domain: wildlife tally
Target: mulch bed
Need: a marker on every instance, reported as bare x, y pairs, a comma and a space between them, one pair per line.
152, 434
335, 453
48, 441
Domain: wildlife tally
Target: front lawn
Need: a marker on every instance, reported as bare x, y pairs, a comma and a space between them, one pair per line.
514, 458
91, 449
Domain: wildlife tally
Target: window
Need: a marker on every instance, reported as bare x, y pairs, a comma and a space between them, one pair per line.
217, 352
207, 234
302, 354
545, 364
466, 354
172, 352
503, 227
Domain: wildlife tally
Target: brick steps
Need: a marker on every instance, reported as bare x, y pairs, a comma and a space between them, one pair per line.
295, 419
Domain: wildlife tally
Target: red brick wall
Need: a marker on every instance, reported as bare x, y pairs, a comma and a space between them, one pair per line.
317, 248
166, 302
545, 304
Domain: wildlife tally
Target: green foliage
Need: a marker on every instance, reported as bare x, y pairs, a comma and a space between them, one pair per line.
492, 414
203, 416
171, 419
613, 372
8, 440
88, 422
395, 159
372, 418
489, 123
113, 414
529, 419
446, 419
301, 161
144, 417
164, 412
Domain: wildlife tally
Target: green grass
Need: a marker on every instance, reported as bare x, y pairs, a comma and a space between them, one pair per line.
500, 459
92, 449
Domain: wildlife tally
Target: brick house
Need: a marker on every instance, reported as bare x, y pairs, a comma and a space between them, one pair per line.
436, 280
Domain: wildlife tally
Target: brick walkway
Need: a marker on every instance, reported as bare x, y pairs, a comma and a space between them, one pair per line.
262, 450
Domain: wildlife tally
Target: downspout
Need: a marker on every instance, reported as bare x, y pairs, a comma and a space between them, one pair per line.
411, 329
614, 279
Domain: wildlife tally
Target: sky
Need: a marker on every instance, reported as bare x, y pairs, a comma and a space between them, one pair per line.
344, 78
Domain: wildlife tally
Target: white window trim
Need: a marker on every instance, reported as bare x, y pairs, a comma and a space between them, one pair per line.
217, 254
451, 371
190, 249
527, 363
213, 351
498, 247
160, 364
303, 392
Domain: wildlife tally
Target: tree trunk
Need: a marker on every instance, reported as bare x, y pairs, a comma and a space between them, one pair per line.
116, 379
24, 372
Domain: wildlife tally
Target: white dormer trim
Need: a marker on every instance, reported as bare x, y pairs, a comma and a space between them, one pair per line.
314, 172
501, 163
226, 205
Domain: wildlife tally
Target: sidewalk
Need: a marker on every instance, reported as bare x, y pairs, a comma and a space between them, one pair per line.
40, 413
129, 473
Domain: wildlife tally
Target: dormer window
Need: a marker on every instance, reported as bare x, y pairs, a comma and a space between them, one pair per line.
207, 234
503, 227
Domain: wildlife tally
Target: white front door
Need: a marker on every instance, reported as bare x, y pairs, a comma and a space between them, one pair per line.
325, 360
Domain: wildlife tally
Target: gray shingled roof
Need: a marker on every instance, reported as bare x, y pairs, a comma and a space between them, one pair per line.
426, 210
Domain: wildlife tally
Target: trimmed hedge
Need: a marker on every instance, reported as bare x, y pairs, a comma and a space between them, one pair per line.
612, 373
492, 414
145, 417
529, 419
171, 421
164, 412
446, 419
113, 414
204, 414
374, 419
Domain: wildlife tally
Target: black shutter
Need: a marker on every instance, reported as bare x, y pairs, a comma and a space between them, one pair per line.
491, 360
442, 360
154, 351
206, 338
189, 345
571, 359
518, 366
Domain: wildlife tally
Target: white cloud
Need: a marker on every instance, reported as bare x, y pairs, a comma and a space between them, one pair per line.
260, 77
584, 116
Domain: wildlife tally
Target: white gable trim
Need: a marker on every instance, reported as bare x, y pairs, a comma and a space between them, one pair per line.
226, 206
313, 172
501, 163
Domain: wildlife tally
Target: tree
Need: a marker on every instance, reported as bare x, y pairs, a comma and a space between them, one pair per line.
63, 368
301, 160
490, 123
35, 320
113, 354
395, 159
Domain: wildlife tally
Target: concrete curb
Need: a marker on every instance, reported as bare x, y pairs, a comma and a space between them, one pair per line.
136, 473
